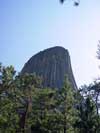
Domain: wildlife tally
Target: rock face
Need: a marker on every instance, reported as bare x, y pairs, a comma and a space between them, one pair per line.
52, 65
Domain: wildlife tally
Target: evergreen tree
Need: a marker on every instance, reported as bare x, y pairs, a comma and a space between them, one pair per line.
67, 107
8, 117
45, 116
88, 119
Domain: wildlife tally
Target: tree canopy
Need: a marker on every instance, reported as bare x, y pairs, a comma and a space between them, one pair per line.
25, 107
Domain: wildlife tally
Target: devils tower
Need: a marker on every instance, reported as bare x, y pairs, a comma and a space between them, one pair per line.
52, 65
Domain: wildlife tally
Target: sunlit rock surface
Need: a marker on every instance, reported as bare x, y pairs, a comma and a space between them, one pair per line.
52, 65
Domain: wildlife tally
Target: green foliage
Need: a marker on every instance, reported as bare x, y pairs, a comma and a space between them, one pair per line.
8, 117
26, 107
68, 110
87, 117
44, 104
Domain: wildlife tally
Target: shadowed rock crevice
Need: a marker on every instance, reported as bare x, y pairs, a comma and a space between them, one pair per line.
52, 65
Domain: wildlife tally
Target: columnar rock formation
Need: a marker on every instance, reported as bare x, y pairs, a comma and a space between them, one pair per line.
52, 65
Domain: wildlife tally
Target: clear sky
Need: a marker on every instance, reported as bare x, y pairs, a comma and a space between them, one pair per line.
29, 26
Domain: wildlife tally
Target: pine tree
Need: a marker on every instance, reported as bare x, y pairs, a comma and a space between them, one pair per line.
67, 107
88, 119
8, 117
44, 111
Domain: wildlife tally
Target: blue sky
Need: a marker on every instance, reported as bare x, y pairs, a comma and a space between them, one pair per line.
29, 26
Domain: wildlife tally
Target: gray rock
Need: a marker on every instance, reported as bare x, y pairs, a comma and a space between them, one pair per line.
52, 65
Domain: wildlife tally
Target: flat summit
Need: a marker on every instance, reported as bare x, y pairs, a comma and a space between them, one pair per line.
52, 65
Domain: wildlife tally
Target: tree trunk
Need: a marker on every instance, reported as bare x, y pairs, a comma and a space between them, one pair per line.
27, 128
65, 129
97, 104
